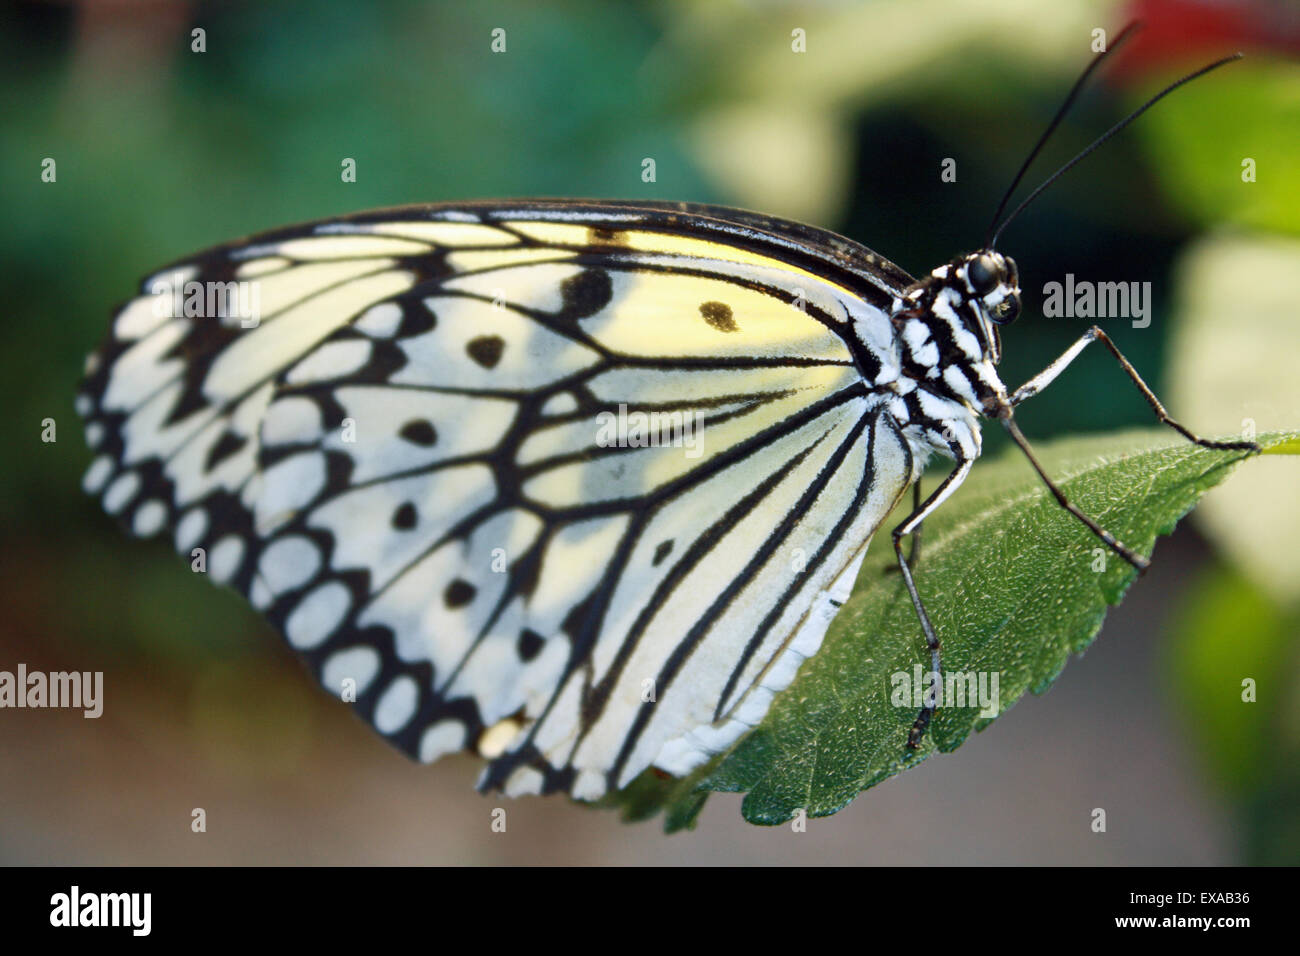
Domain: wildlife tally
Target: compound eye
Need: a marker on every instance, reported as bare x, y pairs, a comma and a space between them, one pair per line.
983, 274
1006, 310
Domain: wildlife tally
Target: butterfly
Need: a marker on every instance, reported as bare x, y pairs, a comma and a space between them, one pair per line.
575, 486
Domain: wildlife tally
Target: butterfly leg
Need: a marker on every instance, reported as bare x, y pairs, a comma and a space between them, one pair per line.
1095, 334
914, 547
1129, 555
1045, 378
911, 526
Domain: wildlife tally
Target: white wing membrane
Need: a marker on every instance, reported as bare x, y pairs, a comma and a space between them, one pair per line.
577, 496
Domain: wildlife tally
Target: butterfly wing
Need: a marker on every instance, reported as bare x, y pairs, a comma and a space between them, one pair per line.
576, 487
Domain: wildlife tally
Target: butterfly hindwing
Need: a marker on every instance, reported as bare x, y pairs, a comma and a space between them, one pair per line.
427, 461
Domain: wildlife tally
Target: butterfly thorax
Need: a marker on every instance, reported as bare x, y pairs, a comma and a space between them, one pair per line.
945, 328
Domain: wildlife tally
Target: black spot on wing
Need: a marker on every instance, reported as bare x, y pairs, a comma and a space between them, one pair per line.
718, 315
602, 236
529, 645
662, 551
586, 293
419, 432
486, 350
459, 593
404, 517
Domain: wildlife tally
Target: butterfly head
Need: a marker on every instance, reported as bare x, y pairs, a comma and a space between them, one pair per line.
993, 281
983, 291
949, 324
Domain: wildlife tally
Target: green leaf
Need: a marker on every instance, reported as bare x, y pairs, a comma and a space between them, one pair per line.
1014, 585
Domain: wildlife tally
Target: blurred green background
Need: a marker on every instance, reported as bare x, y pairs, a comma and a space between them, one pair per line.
161, 150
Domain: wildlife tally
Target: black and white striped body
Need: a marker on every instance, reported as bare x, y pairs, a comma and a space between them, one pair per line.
946, 346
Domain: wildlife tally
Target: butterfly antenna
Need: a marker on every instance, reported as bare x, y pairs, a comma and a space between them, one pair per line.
1124, 34
1107, 135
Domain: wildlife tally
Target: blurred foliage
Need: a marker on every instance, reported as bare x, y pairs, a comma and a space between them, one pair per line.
162, 151
1257, 112
1229, 633
1233, 370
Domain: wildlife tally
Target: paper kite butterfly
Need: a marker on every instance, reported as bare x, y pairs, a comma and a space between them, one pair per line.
388, 435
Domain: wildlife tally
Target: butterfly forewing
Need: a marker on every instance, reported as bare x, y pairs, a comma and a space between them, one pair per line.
574, 486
